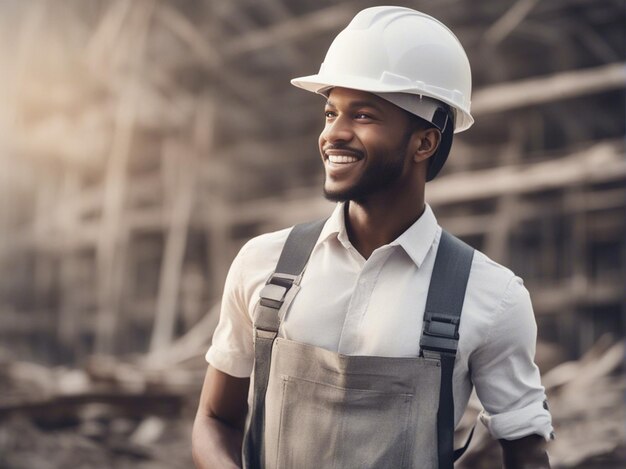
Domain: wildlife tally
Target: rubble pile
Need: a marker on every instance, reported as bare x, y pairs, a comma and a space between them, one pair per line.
109, 415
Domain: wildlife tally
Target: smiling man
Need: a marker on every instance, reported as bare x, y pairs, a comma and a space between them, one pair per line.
381, 132
364, 334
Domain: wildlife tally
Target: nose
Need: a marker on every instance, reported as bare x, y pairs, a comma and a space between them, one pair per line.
337, 131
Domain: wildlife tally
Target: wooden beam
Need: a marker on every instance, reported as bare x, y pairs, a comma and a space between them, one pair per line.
574, 203
181, 214
249, 90
287, 51
112, 233
601, 162
534, 91
593, 39
509, 21
566, 296
507, 206
58, 409
101, 47
175, 245
195, 342
320, 21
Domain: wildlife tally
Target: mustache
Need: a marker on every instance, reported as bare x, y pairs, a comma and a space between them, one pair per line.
343, 148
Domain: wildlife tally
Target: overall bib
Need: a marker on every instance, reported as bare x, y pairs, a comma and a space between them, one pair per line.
313, 408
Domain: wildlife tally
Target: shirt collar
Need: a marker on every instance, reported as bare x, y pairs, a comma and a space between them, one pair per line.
419, 237
336, 227
416, 240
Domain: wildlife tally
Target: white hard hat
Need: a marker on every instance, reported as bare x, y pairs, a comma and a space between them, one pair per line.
392, 51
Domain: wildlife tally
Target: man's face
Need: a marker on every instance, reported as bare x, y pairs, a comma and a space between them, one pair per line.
364, 144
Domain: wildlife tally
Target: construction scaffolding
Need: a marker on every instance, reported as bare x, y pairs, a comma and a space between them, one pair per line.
143, 142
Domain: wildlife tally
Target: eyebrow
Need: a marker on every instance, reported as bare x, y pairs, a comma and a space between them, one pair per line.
357, 104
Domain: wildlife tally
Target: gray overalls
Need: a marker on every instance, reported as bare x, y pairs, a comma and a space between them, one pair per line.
313, 408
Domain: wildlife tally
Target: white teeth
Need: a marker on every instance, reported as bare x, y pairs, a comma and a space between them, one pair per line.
342, 159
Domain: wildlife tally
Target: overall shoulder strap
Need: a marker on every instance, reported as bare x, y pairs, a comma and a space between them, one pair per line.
293, 259
298, 247
440, 334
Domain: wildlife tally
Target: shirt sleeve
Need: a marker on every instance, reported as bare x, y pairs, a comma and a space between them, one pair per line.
232, 350
504, 373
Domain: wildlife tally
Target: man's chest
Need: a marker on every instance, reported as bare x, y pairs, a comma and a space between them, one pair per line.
357, 307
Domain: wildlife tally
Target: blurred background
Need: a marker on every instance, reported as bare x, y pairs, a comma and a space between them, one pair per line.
142, 142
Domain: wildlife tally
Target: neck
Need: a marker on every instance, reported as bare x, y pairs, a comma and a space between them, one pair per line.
374, 223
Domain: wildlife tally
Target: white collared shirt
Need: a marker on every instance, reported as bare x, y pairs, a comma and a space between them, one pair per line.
375, 307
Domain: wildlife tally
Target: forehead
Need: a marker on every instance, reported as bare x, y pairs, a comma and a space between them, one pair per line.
349, 97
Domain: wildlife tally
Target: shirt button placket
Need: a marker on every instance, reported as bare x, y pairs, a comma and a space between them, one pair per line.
356, 310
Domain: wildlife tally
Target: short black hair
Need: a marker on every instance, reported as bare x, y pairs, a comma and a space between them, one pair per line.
418, 123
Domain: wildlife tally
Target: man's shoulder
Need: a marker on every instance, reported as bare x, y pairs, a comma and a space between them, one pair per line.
268, 240
270, 244
496, 299
265, 247
484, 265
491, 281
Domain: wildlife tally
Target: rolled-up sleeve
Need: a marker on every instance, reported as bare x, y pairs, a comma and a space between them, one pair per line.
504, 373
232, 350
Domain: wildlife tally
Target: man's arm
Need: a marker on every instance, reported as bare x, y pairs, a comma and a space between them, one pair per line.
218, 427
508, 383
525, 453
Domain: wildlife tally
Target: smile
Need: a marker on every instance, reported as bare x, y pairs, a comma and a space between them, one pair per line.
342, 159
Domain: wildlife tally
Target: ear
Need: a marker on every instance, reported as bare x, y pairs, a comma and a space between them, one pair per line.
429, 140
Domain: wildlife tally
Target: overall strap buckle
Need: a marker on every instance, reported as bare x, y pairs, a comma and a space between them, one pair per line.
275, 290
272, 298
440, 333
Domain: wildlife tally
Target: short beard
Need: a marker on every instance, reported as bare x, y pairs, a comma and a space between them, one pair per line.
376, 178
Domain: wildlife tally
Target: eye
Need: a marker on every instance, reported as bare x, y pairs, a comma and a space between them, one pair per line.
362, 115
329, 114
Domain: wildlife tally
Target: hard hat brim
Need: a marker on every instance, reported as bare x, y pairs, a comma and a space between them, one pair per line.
320, 84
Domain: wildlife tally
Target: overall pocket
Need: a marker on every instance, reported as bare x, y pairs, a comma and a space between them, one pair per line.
329, 427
